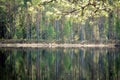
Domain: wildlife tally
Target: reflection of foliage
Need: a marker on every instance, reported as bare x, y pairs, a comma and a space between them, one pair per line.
60, 64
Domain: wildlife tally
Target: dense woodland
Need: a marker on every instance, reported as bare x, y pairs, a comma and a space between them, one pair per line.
60, 20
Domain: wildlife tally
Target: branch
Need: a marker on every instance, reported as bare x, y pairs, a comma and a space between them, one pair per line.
46, 2
94, 4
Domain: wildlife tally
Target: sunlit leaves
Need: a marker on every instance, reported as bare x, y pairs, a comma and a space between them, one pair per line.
36, 2
48, 13
30, 9
78, 10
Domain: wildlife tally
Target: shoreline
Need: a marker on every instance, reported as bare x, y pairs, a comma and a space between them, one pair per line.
55, 45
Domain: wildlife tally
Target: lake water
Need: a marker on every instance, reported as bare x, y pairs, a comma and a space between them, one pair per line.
59, 64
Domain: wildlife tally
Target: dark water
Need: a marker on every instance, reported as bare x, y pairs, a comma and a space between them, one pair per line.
59, 64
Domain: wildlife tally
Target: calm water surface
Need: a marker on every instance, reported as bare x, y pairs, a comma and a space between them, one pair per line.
59, 64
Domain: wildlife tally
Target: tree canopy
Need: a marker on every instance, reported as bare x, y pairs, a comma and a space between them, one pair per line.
78, 10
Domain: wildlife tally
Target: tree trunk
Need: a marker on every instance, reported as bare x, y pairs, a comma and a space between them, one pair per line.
57, 29
82, 32
110, 26
110, 23
37, 25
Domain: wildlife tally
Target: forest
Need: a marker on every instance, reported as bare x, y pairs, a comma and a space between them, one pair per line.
60, 20
82, 30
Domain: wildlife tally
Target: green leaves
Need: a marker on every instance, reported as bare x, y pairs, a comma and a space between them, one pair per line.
78, 10
51, 32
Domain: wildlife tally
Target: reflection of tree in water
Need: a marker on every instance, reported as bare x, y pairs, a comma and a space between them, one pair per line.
2, 64
112, 68
37, 65
7, 71
60, 64
29, 65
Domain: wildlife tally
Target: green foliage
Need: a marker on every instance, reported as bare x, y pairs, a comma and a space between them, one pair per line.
51, 32
117, 25
67, 28
79, 10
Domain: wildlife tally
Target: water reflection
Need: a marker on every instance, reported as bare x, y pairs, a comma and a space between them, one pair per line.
59, 64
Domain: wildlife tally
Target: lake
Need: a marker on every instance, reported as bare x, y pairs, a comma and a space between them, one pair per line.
59, 64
